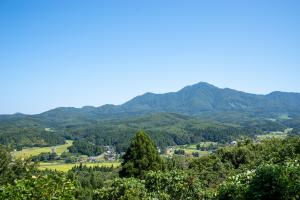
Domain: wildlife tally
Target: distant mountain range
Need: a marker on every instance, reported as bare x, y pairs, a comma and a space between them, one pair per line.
201, 99
200, 112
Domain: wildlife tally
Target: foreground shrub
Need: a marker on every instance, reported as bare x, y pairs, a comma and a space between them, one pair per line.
170, 185
174, 184
266, 182
125, 189
52, 186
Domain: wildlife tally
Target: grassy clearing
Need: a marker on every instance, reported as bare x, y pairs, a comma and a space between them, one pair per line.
275, 134
272, 135
204, 144
190, 151
34, 151
64, 167
284, 117
191, 148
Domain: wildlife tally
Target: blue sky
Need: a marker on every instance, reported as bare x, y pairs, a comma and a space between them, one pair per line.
76, 53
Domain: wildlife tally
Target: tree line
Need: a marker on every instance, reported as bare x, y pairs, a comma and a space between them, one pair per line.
269, 169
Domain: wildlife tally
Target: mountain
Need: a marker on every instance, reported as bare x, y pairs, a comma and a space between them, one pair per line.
201, 99
195, 113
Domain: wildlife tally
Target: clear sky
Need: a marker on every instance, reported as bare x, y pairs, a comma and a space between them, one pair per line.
75, 53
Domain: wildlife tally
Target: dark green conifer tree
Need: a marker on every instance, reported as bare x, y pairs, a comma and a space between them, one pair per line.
140, 157
5, 159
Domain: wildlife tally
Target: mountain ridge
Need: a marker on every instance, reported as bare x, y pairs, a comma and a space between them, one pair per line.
194, 113
194, 100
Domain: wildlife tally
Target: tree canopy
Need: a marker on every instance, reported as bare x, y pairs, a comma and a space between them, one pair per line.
140, 157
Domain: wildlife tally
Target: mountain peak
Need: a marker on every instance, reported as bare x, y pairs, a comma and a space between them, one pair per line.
195, 99
200, 85
204, 97
204, 84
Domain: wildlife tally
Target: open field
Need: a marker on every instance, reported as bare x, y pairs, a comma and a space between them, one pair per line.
275, 134
272, 135
34, 151
64, 167
204, 144
190, 149
285, 117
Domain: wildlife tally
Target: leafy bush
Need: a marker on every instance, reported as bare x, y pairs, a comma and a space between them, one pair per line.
123, 189
174, 185
171, 185
235, 187
51, 186
11, 170
269, 181
210, 170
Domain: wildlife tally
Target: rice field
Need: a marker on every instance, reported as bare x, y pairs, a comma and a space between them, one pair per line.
64, 167
204, 144
34, 151
191, 151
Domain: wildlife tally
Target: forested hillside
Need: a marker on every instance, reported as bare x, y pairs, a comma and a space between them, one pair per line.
165, 128
247, 170
201, 112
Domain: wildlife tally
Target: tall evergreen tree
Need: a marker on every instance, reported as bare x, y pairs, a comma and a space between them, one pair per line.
140, 157
5, 159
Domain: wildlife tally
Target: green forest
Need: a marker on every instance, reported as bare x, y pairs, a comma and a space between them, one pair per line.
166, 129
174, 146
267, 169
149, 100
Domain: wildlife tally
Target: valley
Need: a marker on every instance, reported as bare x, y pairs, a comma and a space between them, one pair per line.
203, 137
149, 100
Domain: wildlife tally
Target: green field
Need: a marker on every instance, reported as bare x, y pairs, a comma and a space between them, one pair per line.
275, 134
272, 135
64, 167
189, 151
190, 148
284, 116
204, 144
34, 151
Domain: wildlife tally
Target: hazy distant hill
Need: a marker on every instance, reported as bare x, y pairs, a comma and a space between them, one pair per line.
199, 99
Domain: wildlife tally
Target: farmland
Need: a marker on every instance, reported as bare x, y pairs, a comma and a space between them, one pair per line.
64, 167
58, 165
34, 151
191, 148
275, 134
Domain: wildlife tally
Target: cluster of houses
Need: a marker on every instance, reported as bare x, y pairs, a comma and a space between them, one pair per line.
109, 155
